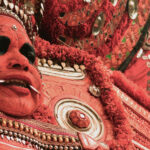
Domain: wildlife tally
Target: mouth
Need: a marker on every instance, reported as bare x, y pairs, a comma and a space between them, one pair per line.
15, 82
19, 83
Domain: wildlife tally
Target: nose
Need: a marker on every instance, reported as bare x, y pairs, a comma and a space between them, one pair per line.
18, 65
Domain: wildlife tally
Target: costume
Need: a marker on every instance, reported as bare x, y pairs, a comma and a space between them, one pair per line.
139, 71
62, 97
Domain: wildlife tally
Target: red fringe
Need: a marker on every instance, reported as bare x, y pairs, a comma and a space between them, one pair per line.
130, 88
52, 27
101, 78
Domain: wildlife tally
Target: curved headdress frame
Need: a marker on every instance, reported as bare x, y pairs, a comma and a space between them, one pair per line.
4, 11
25, 12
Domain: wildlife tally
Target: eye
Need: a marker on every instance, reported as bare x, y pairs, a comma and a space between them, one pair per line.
78, 116
28, 51
4, 44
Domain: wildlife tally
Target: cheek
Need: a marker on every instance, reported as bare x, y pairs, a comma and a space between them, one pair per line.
3, 62
37, 83
37, 78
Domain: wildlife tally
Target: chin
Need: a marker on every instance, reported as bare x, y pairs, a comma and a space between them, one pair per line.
18, 107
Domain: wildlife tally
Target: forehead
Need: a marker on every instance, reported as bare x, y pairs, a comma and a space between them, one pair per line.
13, 29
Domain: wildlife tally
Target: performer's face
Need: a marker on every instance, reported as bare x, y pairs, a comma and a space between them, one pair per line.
17, 71
146, 45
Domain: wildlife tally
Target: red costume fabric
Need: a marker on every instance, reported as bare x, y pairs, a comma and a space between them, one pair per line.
139, 73
139, 70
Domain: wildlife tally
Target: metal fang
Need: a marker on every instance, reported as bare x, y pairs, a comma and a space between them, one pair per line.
34, 89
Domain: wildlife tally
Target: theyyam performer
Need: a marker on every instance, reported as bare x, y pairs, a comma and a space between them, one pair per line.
55, 97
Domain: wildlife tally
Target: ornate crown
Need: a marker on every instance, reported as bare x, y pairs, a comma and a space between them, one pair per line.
25, 11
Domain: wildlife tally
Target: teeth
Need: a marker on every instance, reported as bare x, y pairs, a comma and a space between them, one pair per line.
63, 64
56, 66
34, 89
15, 82
50, 62
25, 18
11, 6
39, 62
43, 61
5, 3
41, 11
76, 67
82, 67
21, 13
2, 136
16, 9
42, 6
140, 53
8, 137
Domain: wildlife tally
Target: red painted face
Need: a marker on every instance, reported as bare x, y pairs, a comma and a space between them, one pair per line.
17, 71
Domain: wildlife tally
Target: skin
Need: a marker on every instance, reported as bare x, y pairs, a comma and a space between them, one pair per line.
15, 100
